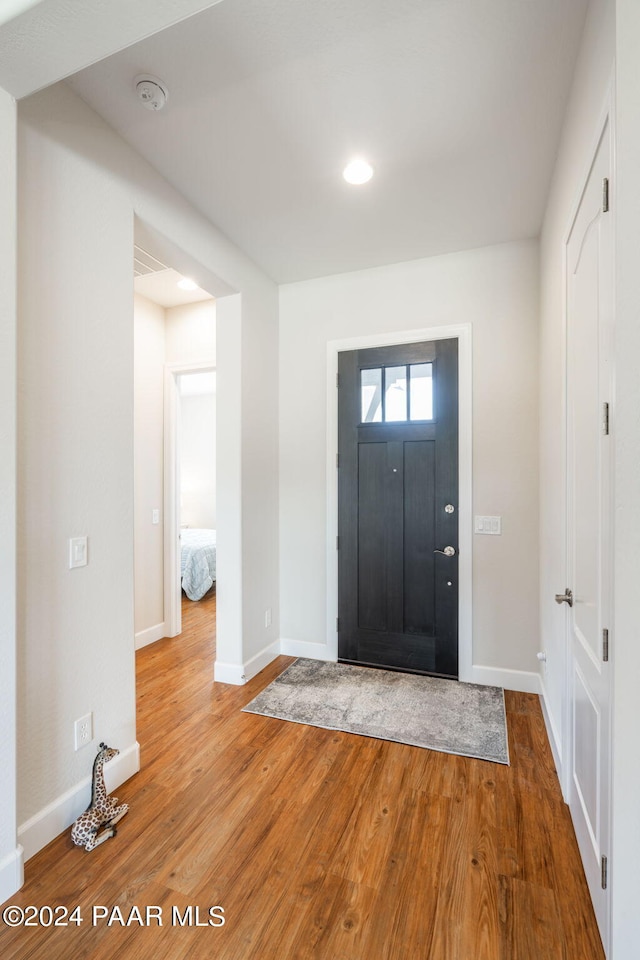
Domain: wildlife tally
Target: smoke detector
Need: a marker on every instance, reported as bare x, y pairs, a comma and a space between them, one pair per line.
152, 93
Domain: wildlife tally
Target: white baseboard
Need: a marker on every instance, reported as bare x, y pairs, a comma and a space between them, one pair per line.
521, 680
238, 674
303, 648
524, 681
262, 659
150, 635
552, 733
229, 673
11, 873
56, 817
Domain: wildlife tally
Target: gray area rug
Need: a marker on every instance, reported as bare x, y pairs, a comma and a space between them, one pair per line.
462, 718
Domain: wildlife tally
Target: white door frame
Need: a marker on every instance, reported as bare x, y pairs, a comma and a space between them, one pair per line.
462, 333
172, 595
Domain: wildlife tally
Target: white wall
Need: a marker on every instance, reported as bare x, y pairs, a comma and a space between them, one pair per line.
593, 73
260, 497
198, 460
75, 463
494, 289
190, 333
148, 432
229, 479
10, 862
625, 853
80, 187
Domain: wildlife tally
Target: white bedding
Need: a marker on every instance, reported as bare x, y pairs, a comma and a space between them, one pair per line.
197, 561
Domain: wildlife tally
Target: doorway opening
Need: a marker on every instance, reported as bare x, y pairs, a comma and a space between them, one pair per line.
174, 381
190, 540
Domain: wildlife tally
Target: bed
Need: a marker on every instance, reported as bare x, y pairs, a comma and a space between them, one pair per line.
197, 561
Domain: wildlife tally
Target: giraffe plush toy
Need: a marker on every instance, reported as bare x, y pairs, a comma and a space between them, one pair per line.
103, 811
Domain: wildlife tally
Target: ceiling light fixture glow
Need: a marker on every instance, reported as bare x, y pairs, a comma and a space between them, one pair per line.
187, 284
358, 171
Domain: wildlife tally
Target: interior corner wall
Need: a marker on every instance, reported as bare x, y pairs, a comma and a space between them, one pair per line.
247, 460
10, 861
148, 433
586, 103
229, 582
260, 462
495, 290
80, 186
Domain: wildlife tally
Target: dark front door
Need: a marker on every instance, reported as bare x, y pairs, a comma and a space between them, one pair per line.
398, 507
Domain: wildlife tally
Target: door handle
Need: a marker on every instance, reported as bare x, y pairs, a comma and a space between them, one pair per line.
447, 552
566, 597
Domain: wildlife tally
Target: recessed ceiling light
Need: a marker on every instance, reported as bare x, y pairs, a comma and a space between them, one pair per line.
358, 171
187, 284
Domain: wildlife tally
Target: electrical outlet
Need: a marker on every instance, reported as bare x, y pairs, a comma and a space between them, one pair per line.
267, 618
83, 731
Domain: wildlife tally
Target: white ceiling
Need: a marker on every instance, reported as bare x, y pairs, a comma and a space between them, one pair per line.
457, 103
42, 41
162, 287
153, 279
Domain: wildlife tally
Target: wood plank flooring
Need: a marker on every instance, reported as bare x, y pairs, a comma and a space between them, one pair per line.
317, 844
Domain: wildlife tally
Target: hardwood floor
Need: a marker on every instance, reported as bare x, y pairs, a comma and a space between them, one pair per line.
317, 844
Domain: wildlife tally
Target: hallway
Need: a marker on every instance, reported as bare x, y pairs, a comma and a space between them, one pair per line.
317, 844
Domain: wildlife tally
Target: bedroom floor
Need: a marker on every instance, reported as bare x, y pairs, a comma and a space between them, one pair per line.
317, 844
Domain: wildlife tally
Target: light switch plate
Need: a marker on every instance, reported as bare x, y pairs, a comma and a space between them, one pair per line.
488, 525
77, 552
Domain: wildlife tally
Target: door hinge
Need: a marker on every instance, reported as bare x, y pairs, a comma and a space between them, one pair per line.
605, 195
337, 543
605, 419
337, 379
337, 624
603, 872
337, 459
605, 645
